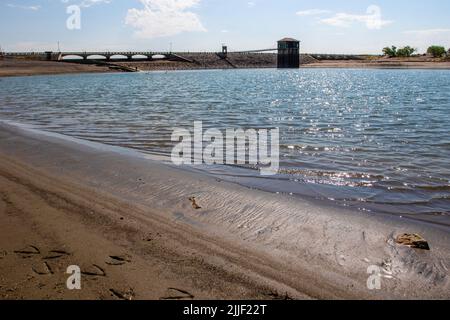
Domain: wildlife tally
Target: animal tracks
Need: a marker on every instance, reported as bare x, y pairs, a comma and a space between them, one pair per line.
177, 294
123, 295
118, 260
56, 254
28, 252
94, 271
278, 296
53, 263
42, 269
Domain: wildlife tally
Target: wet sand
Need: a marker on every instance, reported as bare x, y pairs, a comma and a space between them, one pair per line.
130, 225
125, 251
43, 232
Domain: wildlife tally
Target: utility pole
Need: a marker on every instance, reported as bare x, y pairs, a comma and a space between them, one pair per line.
59, 50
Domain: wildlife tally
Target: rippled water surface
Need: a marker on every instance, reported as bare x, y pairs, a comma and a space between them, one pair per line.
377, 140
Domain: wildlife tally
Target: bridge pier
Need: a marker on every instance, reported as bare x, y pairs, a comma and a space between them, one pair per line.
48, 55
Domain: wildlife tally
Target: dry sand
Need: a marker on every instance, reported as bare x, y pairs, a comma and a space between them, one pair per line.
378, 64
17, 67
127, 221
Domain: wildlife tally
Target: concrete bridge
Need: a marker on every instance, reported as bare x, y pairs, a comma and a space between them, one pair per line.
148, 55
116, 55
131, 55
85, 55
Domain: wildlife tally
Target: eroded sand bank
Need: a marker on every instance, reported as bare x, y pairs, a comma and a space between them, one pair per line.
87, 204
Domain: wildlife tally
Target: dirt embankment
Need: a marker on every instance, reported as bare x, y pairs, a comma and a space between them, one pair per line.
193, 61
209, 61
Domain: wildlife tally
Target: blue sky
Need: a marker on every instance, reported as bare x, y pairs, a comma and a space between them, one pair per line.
323, 26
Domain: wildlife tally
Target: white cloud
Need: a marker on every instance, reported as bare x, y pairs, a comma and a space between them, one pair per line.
87, 3
312, 12
372, 19
33, 8
251, 4
161, 18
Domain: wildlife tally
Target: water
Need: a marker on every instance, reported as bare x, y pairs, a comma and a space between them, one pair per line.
374, 140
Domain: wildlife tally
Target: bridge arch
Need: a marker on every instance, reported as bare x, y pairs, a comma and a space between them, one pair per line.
158, 57
139, 57
96, 57
72, 57
118, 57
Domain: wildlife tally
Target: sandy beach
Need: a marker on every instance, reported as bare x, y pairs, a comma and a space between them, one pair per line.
127, 221
224, 159
16, 67
383, 63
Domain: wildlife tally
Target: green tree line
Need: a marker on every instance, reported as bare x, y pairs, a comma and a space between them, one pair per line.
435, 51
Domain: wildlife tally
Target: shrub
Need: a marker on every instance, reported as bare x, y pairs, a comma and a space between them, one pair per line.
390, 52
405, 52
394, 52
436, 51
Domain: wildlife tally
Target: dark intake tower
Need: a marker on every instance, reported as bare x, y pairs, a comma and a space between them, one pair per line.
288, 53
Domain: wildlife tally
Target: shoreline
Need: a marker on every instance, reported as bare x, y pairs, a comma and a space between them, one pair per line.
388, 65
18, 68
94, 202
26, 68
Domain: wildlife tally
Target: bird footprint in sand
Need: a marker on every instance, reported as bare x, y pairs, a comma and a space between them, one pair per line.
123, 295
42, 269
177, 294
28, 251
32, 250
56, 254
94, 271
118, 260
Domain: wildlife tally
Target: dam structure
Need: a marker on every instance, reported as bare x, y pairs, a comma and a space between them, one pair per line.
285, 55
